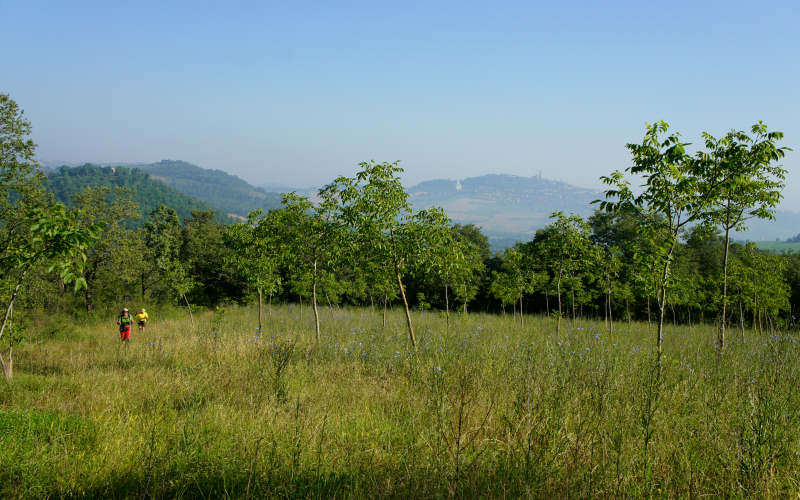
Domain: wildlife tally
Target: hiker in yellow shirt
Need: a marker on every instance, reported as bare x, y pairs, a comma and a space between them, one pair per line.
141, 319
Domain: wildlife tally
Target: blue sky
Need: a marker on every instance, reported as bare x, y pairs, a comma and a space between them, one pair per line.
296, 93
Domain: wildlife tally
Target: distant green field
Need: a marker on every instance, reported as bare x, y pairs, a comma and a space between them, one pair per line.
778, 246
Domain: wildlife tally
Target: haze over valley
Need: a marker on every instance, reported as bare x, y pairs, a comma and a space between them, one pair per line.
507, 208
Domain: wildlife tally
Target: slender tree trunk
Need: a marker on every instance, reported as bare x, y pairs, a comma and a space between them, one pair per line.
260, 311
270, 304
605, 311
8, 367
610, 314
663, 306
314, 300
573, 304
465, 298
408, 312
189, 308
403, 293
521, 317
447, 306
741, 320
328, 299
547, 303
87, 293
721, 340
10, 306
558, 292
649, 321
628, 310
760, 321
384, 311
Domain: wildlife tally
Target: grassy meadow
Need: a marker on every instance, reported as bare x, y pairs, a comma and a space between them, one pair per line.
488, 407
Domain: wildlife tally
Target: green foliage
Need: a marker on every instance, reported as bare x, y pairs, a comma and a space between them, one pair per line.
670, 199
34, 232
256, 251
114, 261
164, 273
741, 179
374, 206
203, 249
148, 193
226, 193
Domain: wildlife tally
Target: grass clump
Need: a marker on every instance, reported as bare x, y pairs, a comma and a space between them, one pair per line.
484, 408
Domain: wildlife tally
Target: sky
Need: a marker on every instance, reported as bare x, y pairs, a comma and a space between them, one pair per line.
297, 93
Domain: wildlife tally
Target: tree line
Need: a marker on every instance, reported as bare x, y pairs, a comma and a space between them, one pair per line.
656, 252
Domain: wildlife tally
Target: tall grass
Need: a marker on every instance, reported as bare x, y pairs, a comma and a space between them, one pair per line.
484, 408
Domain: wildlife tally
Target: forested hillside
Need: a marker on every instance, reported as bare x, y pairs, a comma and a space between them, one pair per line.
149, 193
227, 193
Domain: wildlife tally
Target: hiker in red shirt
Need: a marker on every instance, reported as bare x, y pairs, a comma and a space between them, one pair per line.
124, 323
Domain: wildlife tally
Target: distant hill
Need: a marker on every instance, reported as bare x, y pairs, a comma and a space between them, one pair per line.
779, 246
228, 193
511, 208
65, 182
784, 226
508, 208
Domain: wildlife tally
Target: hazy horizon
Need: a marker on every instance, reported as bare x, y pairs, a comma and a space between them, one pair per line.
295, 94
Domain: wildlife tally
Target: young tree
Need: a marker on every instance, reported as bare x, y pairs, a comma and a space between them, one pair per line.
34, 232
563, 247
202, 252
256, 253
438, 253
759, 282
113, 258
57, 240
312, 237
741, 181
669, 200
21, 188
609, 266
375, 206
469, 275
503, 287
515, 280
163, 236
